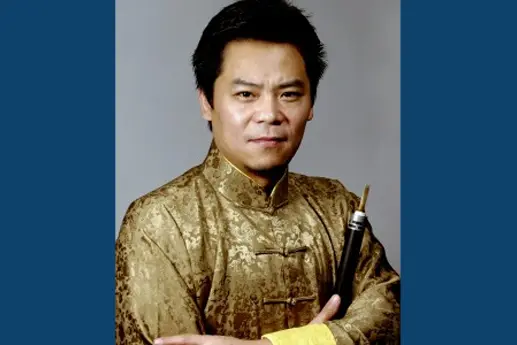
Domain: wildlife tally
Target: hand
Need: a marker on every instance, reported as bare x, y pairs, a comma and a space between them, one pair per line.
328, 311
207, 340
326, 314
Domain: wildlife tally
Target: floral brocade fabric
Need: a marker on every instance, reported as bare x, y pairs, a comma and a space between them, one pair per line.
212, 253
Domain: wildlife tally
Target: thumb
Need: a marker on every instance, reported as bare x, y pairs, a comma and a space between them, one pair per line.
328, 311
187, 339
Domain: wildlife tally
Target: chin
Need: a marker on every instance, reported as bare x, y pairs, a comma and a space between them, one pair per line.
268, 163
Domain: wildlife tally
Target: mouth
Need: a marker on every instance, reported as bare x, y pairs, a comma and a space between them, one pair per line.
268, 141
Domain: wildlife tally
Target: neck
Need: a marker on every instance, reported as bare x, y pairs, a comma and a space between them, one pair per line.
259, 189
267, 179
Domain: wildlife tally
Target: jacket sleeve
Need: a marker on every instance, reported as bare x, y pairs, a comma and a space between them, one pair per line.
372, 318
155, 294
374, 315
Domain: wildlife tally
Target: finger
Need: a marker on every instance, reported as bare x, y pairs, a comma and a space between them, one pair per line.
186, 339
328, 311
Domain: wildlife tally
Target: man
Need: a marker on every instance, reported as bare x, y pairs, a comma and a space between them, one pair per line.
239, 249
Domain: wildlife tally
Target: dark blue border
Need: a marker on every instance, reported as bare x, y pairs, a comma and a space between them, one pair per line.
57, 106
57, 171
458, 172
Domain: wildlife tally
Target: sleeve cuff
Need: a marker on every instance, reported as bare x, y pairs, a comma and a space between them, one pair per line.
318, 334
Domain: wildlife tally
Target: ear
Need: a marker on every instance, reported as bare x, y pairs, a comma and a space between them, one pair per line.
206, 109
311, 114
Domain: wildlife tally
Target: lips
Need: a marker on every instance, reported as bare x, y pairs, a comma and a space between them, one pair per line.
268, 139
267, 142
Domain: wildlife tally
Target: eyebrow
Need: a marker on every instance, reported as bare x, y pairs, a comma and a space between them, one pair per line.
290, 83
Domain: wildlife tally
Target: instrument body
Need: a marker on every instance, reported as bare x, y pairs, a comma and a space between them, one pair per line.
344, 286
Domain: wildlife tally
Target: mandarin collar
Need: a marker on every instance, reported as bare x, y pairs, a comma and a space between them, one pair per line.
238, 187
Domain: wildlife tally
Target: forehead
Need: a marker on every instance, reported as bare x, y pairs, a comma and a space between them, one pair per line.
262, 60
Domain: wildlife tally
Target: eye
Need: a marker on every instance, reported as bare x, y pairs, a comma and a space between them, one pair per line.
292, 95
244, 95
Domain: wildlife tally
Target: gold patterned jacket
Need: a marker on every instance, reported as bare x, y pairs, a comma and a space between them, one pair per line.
212, 253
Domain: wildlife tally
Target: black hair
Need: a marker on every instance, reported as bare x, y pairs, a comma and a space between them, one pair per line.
276, 21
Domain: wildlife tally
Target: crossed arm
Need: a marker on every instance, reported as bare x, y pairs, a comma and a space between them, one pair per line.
147, 275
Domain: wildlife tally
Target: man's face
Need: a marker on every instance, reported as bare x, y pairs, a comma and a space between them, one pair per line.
261, 104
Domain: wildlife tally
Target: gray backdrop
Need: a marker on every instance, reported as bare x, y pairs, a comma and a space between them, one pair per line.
355, 134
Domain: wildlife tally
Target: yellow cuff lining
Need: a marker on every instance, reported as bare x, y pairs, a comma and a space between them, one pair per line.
318, 334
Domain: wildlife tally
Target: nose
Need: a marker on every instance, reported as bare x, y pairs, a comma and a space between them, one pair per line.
268, 111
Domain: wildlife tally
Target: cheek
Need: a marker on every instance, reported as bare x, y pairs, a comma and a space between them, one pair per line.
298, 121
299, 132
235, 117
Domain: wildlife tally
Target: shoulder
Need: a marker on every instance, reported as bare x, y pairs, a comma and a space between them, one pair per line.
168, 194
324, 189
154, 210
